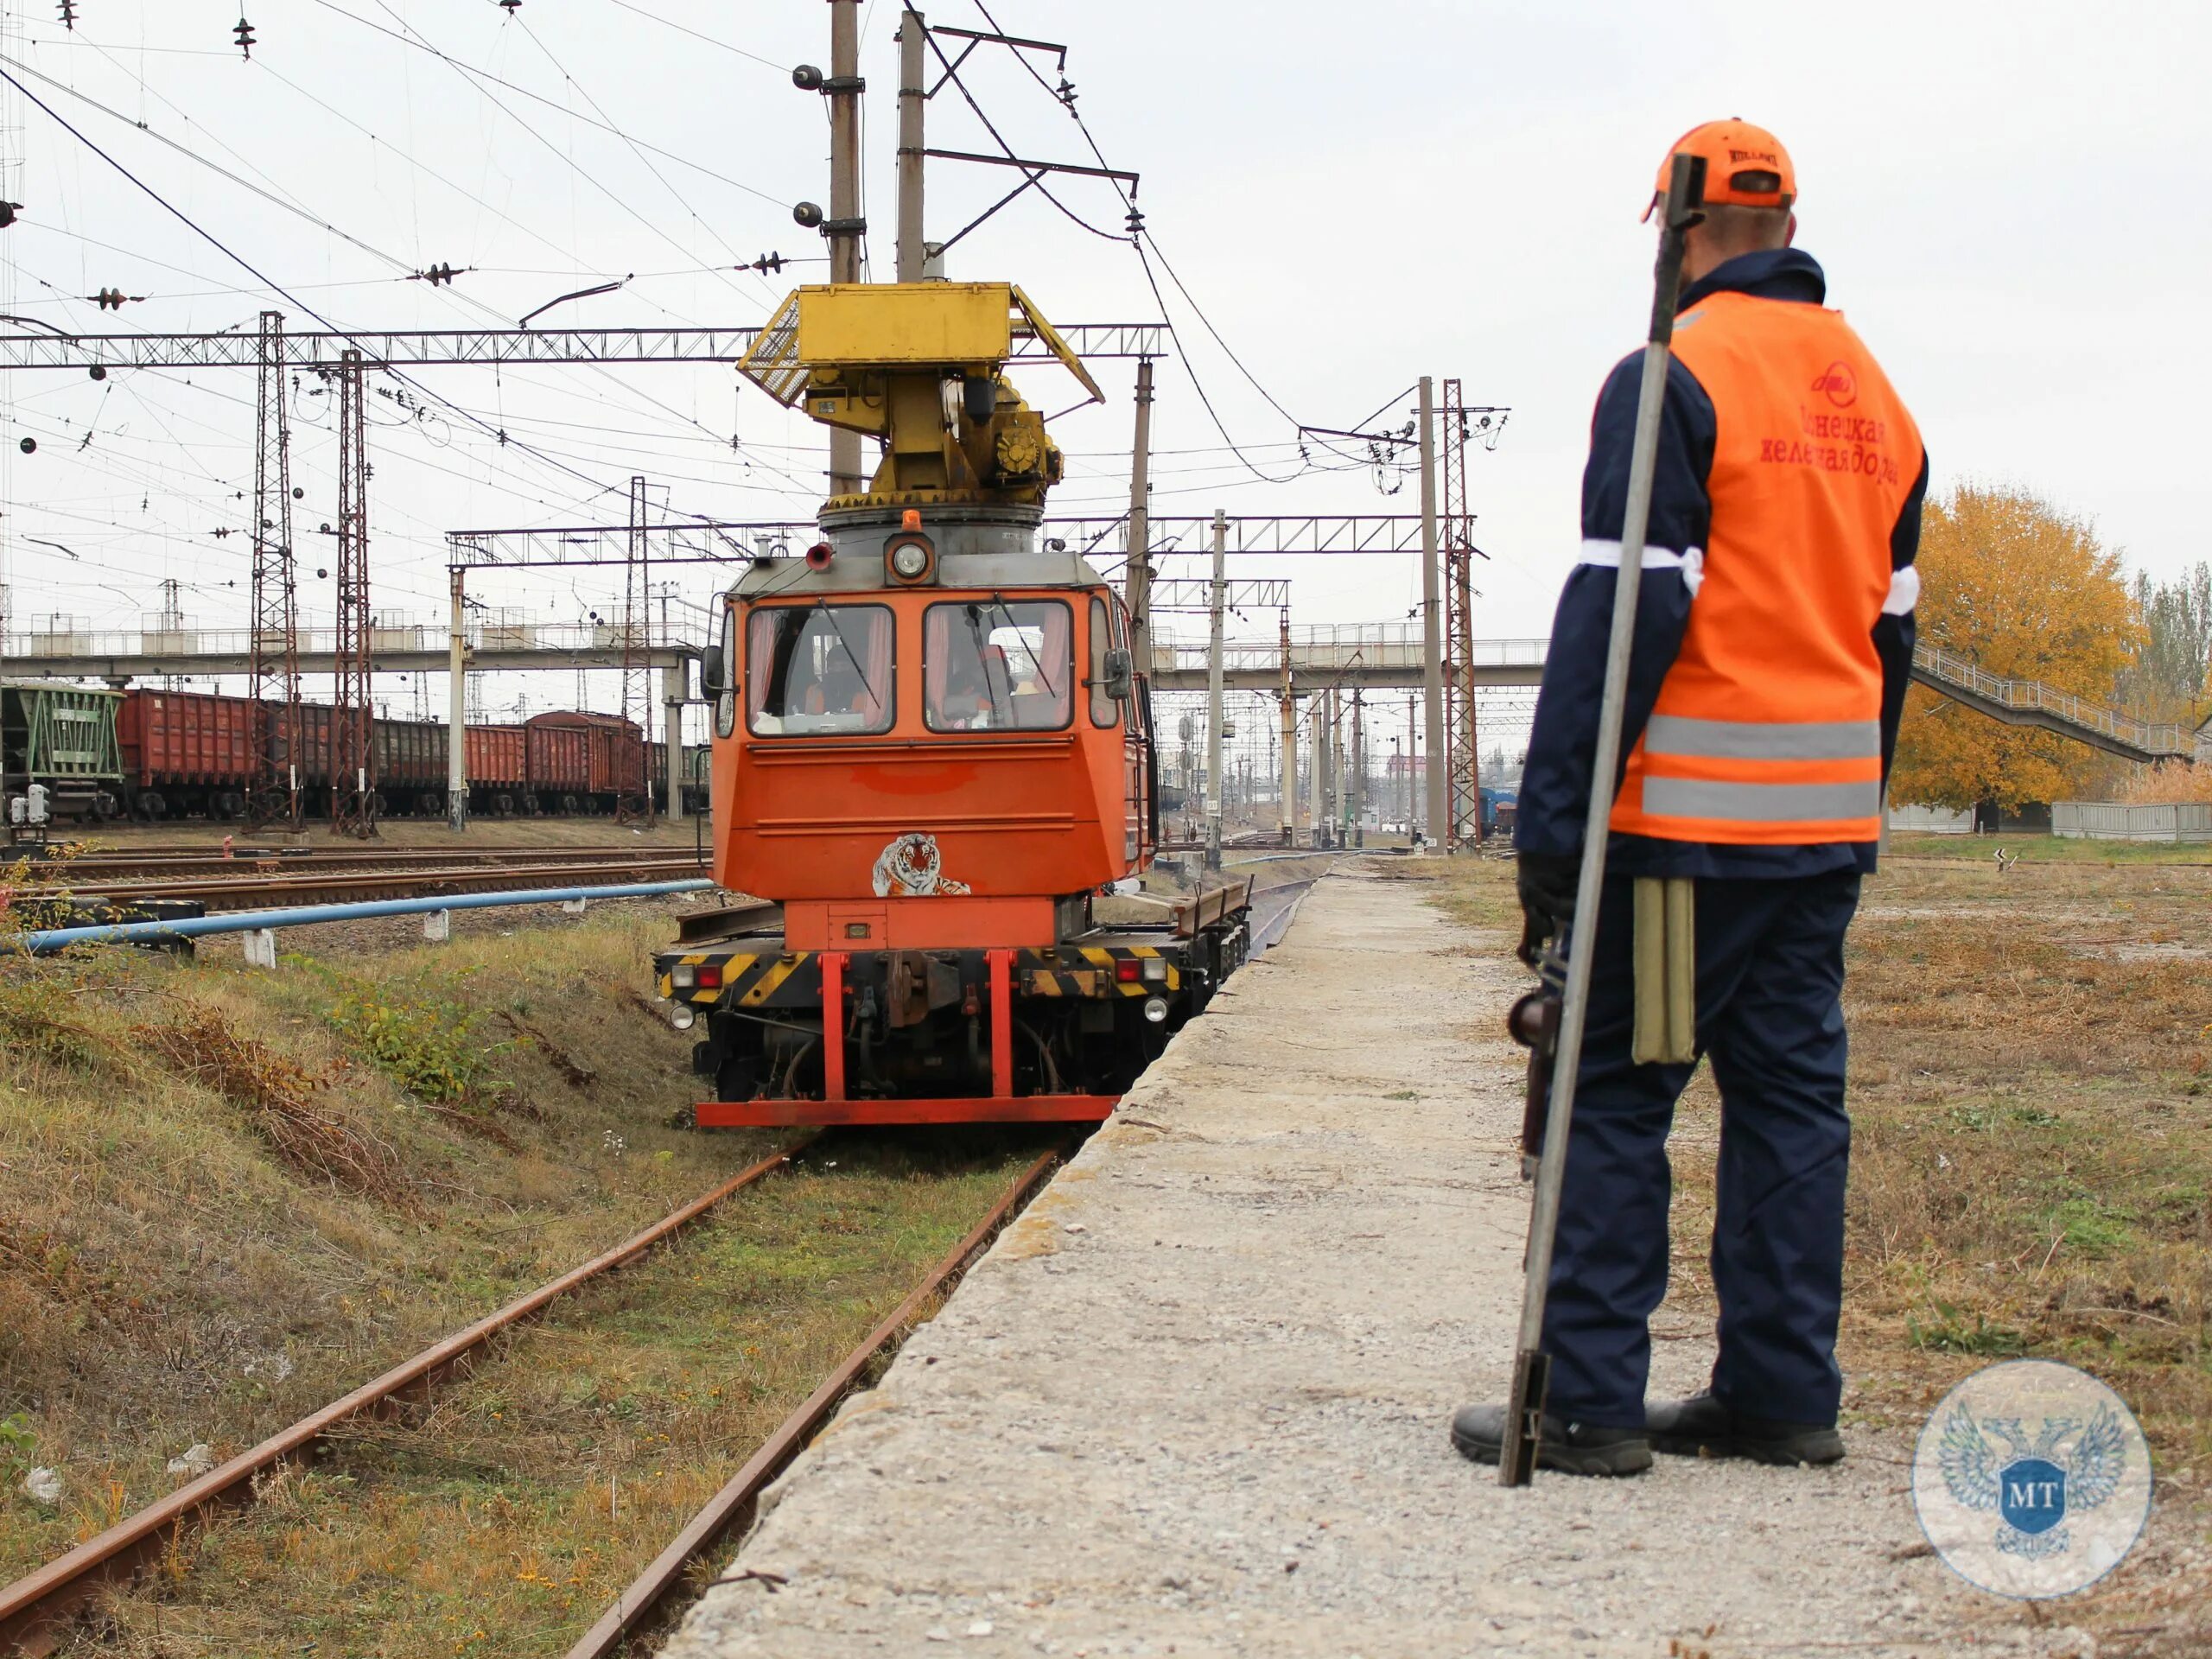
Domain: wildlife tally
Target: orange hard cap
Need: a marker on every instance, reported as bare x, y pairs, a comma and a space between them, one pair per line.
1745, 165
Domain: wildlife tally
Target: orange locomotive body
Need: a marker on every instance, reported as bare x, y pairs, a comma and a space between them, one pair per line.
931, 754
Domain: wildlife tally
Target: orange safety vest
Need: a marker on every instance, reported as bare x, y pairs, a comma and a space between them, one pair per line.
1767, 731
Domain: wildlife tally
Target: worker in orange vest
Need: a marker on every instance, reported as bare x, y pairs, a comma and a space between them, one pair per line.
1772, 645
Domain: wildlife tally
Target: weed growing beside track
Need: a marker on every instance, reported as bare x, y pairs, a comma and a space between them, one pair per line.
2032, 1162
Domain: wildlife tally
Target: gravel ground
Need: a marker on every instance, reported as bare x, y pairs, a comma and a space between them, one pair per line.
1194, 1402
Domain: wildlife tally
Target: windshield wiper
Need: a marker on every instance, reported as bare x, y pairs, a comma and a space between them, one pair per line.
836, 627
984, 661
1016, 629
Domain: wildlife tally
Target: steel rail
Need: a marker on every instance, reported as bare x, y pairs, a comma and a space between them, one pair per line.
249, 887
35, 1610
737, 1499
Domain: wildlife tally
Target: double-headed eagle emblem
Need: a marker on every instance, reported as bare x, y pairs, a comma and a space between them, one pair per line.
2033, 1484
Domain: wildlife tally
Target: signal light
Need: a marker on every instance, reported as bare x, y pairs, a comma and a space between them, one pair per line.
1126, 969
710, 977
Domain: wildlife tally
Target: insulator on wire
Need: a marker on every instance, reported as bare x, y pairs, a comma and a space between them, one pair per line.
244, 33
766, 262
7, 211
68, 11
113, 299
439, 276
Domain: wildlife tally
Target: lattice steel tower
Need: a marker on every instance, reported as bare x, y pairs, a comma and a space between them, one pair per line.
353, 753
273, 659
1463, 791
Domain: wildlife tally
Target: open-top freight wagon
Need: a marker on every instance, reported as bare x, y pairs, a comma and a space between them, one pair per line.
62, 740
152, 754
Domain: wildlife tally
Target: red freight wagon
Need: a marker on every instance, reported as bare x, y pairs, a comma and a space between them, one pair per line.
497, 755
557, 762
497, 758
609, 750
188, 752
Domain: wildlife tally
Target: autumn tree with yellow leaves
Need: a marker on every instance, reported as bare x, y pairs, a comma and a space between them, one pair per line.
2027, 593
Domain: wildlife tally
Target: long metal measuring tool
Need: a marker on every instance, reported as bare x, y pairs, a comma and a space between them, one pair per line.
1517, 1463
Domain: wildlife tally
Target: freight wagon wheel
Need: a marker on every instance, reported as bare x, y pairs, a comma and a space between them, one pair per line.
568, 805
150, 806
503, 805
226, 804
105, 807
434, 805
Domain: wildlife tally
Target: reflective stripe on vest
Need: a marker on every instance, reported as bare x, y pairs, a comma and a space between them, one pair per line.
1767, 730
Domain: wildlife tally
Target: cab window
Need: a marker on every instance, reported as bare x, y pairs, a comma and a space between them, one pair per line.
1104, 711
726, 704
819, 671
998, 664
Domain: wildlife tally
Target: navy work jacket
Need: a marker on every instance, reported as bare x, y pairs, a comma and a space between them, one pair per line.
1554, 801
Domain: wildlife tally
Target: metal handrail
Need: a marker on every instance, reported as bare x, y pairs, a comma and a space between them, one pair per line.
2164, 738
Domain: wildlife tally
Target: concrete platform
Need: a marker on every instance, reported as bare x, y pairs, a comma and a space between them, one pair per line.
1195, 1401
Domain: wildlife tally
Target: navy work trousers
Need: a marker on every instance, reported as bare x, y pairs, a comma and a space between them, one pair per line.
1770, 1016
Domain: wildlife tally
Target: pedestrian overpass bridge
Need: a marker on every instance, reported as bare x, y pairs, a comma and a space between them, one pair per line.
1369, 656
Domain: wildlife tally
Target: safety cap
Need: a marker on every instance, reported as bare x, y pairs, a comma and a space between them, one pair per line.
1745, 165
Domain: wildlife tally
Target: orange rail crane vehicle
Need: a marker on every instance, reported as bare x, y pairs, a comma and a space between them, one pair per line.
931, 752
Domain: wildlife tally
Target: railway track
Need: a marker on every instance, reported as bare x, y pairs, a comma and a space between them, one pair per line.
38, 1612
250, 888
105, 865
34, 1610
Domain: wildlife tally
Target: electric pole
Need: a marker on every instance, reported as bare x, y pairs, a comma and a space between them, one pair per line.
1431, 624
1137, 578
1289, 712
914, 40
1214, 607
845, 226
457, 706
273, 653
1358, 769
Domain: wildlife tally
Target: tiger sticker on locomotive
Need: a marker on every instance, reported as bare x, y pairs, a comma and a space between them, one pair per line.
912, 868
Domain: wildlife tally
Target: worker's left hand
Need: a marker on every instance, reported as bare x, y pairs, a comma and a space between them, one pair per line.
1547, 882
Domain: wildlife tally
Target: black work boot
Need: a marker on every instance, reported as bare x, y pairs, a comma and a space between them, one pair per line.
1704, 1426
1571, 1447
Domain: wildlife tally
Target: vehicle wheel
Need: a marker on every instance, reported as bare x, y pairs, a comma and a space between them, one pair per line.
148, 807
568, 805
226, 804
503, 806
434, 806
105, 807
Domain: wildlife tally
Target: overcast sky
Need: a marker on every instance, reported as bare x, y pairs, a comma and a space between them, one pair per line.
2008, 199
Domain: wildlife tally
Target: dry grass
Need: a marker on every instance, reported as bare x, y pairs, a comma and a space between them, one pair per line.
189, 1259
501, 1519
2031, 1165
202, 1046
227, 1196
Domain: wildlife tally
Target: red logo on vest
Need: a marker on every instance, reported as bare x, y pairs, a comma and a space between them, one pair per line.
1841, 385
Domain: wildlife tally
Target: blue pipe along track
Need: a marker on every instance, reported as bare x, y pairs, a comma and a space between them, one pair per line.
49, 940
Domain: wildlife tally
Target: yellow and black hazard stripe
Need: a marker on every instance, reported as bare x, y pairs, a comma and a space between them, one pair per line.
750, 979
1090, 970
